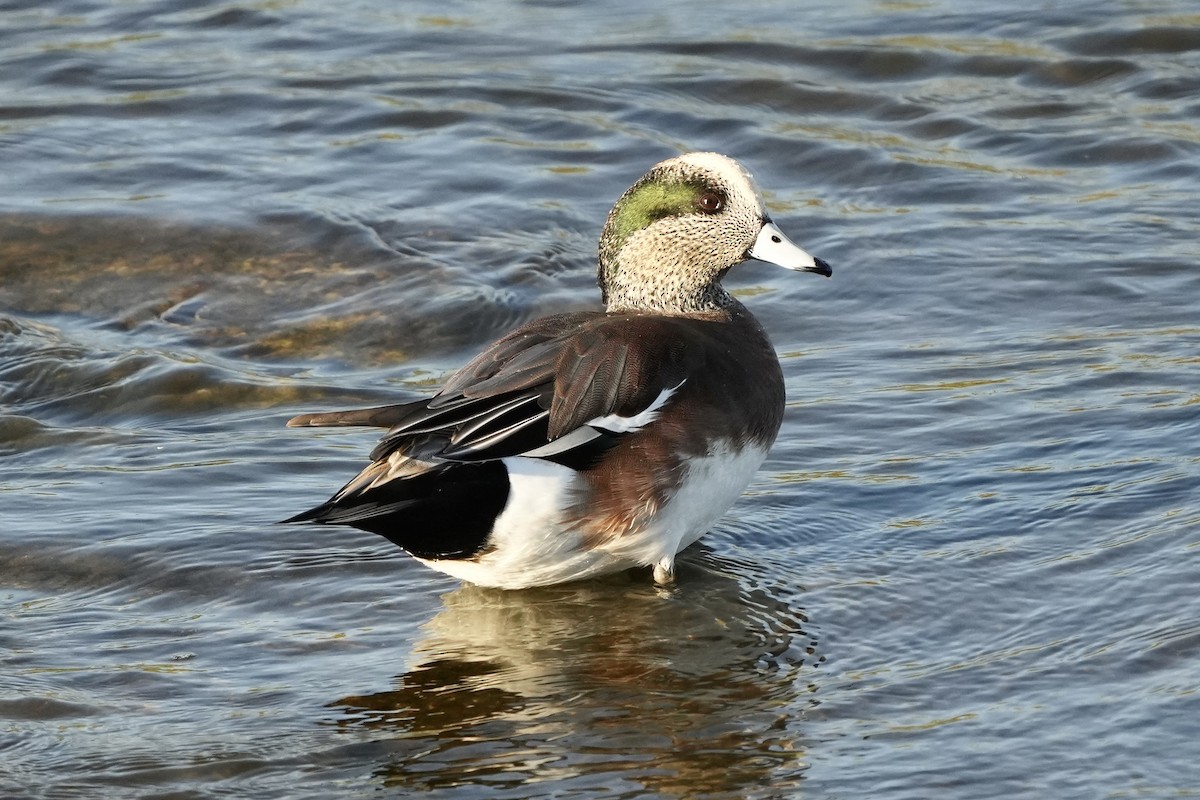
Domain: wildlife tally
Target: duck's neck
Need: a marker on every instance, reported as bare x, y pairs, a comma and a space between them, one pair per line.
662, 300
661, 285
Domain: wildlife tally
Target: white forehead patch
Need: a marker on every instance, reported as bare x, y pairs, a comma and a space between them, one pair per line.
736, 179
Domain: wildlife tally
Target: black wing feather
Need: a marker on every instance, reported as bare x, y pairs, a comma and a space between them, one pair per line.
532, 387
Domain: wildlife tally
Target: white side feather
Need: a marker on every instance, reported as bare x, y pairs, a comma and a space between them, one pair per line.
615, 423
533, 546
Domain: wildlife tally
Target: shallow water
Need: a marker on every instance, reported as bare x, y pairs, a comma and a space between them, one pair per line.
967, 570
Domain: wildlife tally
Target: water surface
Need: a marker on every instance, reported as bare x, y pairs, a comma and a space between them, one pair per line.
968, 568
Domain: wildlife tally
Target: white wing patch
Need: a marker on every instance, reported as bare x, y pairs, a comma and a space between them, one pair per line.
576, 438
615, 423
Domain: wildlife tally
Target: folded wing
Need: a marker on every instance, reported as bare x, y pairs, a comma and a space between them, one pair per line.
543, 391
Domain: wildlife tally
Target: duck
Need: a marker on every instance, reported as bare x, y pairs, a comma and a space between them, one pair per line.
594, 442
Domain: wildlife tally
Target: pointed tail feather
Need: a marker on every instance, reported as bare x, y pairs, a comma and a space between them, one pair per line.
378, 417
307, 516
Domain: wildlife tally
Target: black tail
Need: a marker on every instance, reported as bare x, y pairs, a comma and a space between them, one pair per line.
444, 513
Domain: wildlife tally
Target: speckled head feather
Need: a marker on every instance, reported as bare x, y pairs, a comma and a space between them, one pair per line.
671, 237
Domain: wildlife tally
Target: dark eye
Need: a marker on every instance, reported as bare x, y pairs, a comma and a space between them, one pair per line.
710, 202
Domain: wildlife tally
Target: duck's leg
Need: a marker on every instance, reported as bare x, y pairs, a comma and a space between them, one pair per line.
664, 571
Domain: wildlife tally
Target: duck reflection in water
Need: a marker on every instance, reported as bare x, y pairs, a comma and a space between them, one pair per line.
602, 681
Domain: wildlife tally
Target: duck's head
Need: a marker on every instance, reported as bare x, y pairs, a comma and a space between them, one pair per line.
675, 233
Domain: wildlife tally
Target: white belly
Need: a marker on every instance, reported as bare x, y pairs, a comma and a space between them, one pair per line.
712, 485
531, 546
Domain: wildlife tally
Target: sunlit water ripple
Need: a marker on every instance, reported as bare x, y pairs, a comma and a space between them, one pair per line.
968, 568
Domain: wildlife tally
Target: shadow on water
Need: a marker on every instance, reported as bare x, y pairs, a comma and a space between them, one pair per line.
678, 693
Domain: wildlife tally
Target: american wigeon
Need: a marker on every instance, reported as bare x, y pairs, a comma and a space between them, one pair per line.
595, 441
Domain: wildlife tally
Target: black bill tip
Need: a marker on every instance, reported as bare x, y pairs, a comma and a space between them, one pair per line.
822, 267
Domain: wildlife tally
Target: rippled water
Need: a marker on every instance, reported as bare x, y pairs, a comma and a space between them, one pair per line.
969, 568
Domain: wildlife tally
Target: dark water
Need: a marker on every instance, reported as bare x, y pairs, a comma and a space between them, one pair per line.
969, 568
